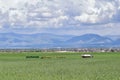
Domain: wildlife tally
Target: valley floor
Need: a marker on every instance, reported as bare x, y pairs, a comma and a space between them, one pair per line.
59, 66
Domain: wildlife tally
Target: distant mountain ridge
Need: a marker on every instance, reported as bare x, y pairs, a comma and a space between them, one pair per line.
46, 40
90, 39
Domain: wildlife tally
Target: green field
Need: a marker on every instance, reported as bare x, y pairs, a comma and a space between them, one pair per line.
60, 66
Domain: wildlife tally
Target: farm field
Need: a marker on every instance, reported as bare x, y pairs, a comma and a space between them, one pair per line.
59, 66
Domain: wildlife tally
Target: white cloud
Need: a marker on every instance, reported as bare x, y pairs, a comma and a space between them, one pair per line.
85, 18
97, 12
44, 14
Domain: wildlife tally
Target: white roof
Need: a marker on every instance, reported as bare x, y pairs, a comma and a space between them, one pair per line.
86, 55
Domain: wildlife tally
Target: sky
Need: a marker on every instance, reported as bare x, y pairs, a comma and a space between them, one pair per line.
63, 17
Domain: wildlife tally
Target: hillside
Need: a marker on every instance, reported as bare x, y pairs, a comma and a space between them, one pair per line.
46, 40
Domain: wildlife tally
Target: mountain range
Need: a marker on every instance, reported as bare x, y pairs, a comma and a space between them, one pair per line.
46, 40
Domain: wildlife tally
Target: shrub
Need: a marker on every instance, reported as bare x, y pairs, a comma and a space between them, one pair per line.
45, 57
32, 56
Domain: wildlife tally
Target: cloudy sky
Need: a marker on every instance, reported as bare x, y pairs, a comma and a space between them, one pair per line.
74, 17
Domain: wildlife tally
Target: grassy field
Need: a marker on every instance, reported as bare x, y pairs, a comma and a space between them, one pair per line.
61, 66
